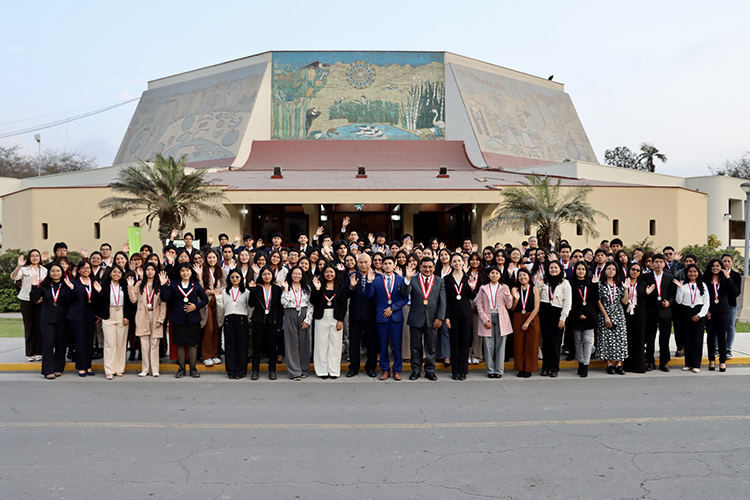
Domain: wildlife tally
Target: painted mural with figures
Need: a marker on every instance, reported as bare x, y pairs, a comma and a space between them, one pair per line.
518, 118
358, 95
204, 118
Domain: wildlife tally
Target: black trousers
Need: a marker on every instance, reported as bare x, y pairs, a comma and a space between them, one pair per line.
83, 333
430, 348
636, 331
717, 327
693, 331
363, 332
653, 321
54, 341
549, 317
264, 339
31, 314
679, 325
236, 340
460, 335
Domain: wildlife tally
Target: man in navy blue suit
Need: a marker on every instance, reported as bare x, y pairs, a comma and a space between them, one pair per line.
361, 319
389, 317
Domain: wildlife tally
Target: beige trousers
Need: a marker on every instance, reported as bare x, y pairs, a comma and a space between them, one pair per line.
328, 341
115, 342
150, 354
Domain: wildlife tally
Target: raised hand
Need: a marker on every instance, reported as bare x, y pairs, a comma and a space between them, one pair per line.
678, 256
198, 269
627, 282
474, 247
677, 282
210, 239
259, 243
174, 234
340, 266
97, 286
411, 270
131, 281
441, 245
506, 291
256, 269
353, 280
139, 273
69, 283
163, 279
397, 270
345, 221
516, 294
370, 275
238, 238
126, 248
650, 289
22, 260
371, 238
169, 258
285, 286
84, 253
316, 283
45, 256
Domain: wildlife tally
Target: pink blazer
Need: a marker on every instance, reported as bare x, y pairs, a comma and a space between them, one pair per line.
484, 306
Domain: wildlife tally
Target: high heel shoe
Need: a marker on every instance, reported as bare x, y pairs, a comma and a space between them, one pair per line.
722, 368
711, 367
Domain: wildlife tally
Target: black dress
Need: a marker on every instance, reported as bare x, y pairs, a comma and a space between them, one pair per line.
635, 321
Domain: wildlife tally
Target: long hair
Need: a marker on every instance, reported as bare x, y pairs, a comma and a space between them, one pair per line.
28, 257
699, 280
336, 282
188, 265
229, 281
581, 263
537, 265
708, 275
603, 276
304, 283
108, 279
553, 281
47, 282
218, 272
157, 283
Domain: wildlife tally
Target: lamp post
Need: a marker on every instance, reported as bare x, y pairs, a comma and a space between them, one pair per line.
746, 188
38, 139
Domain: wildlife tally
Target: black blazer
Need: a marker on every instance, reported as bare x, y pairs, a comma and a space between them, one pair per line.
50, 313
78, 307
102, 303
360, 307
668, 292
726, 290
339, 303
170, 294
257, 301
590, 310
737, 280
458, 308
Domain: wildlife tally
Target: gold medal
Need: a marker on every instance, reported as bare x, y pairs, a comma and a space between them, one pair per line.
425, 302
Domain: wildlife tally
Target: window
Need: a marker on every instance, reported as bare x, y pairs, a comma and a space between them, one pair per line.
579, 229
97, 230
652, 227
45, 230
526, 229
615, 227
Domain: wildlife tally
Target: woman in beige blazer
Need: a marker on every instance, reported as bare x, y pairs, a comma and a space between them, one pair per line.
149, 317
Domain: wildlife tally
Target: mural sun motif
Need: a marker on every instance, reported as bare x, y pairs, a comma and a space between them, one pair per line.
360, 75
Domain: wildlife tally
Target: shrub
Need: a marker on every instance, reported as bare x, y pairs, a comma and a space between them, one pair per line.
711, 250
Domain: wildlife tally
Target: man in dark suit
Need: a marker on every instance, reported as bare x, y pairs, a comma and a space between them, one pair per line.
426, 315
660, 293
727, 262
389, 318
672, 262
303, 247
361, 320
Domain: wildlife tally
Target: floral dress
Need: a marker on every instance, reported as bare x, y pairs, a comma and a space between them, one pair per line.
611, 343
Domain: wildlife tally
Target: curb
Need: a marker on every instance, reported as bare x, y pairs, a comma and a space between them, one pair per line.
171, 366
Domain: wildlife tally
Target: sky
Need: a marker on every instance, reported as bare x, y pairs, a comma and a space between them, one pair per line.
671, 73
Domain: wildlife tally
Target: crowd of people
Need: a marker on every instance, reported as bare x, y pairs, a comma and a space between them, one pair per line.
399, 303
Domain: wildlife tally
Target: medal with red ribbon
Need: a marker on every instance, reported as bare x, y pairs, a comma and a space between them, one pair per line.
716, 292
87, 288
493, 297
213, 278
185, 295
693, 293
237, 296
658, 287
583, 294
329, 300
297, 299
458, 290
632, 291
426, 288
55, 296
551, 294
612, 294
524, 299
149, 298
388, 292
115, 294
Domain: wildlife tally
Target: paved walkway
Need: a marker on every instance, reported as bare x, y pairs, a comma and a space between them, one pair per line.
13, 359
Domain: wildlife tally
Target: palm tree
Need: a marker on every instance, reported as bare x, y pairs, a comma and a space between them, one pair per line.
546, 206
648, 153
162, 190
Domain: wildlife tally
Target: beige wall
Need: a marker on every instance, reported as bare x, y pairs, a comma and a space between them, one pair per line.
680, 217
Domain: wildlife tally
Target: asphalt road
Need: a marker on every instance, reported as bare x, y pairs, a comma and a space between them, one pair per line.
654, 436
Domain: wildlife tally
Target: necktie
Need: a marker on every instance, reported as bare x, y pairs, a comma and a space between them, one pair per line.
388, 282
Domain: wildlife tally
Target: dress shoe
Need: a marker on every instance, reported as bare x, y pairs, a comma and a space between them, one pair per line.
194, 373
570, 357
254, 376
430, 376
324, 377
490, 375
462, 376
397, 376
271, 375
580, 367
553, 374
650, 366
447, 362
414, 376
679, 354
711, 368
611, 370
385, 375
351, 374
544, 373
526, 374
180, 373
334, 377
520, 374
90, 373
619, 370
371, 373
498, 375
664, 368
456, 376
584, 371
50, 376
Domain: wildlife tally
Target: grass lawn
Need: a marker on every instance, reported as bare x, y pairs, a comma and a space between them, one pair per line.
11, 327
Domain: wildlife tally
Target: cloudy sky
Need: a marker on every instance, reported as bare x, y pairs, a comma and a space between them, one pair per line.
670, 72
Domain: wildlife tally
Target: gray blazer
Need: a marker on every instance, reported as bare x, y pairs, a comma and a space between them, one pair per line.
424, 315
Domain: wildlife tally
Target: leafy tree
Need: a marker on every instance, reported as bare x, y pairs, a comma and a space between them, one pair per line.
547, 207
622, 156
649, 153
712, 250
735, 168
15, 164
162, 190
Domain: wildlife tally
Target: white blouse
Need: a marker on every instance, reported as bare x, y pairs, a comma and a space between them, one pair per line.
26, 274
685, 295
562, 297
239, 307
288, 301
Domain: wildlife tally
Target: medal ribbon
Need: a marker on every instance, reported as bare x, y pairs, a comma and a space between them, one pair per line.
584, 294
632, 292
329, 299
389, 292
116, 293
267, 297
525, 298
297, 300
693, 293
149, 295
87, 287
55, 295
658, 285
213, 279
551, 294
186, 294
235, 297
426, 290
716, 290
493, 296
458, 288
612, 294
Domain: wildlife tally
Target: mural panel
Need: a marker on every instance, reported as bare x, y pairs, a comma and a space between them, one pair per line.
358, 95
512, 117
204, 118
